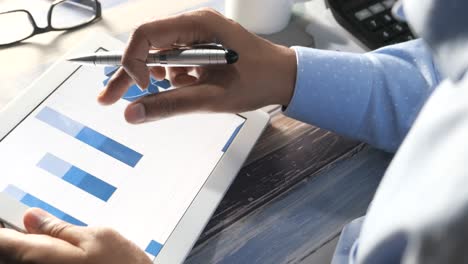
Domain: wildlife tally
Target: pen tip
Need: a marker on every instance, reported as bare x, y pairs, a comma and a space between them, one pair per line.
82, 59
74, 59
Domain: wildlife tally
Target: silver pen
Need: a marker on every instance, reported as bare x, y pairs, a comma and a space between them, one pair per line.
196, 55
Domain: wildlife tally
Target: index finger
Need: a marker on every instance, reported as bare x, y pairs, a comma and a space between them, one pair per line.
204, 25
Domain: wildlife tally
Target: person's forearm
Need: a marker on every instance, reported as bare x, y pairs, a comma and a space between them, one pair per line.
373, 97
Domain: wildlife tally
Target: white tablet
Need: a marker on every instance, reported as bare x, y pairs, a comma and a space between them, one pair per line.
156, 183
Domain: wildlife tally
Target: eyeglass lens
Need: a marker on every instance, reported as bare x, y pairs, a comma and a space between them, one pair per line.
72, 13
15, 26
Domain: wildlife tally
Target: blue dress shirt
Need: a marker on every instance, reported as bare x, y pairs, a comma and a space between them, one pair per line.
373, 97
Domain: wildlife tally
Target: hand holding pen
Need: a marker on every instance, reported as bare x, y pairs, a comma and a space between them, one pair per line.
264, 73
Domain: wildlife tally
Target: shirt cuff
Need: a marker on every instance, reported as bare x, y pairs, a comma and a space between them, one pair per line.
332, 89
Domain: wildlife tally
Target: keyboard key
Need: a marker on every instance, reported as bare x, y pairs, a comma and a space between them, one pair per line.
372, 25
397, 28
387, 19
388, 3
363, 14
385, 35
377, 8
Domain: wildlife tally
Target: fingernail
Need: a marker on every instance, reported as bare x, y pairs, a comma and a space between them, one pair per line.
136, 113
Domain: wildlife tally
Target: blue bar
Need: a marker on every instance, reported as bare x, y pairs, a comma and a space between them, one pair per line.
89, 136
54, 165
59, 121
77, 177
233, 136
33, 201
153, 248
109, 146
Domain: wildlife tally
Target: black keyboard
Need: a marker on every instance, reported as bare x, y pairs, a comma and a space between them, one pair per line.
370, 21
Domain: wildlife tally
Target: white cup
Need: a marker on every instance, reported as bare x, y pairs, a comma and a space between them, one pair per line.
260, 16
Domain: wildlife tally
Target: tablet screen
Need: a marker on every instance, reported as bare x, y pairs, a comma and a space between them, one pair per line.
84, 164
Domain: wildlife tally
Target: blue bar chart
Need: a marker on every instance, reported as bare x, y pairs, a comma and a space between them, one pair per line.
77, 177
153, 248
32, 201
89, 136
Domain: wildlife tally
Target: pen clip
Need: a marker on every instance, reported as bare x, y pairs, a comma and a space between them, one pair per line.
216, 46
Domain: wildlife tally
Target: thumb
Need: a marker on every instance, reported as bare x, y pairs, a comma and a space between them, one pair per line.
40, 222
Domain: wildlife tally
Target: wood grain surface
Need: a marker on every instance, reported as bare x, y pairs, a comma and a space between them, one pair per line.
287, 152
301, 224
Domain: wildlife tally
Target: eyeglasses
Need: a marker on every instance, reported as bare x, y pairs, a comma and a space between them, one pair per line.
18, 25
